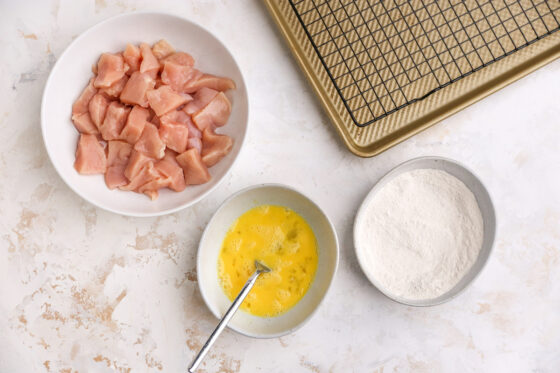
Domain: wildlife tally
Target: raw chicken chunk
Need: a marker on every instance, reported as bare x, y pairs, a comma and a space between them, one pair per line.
194, 132
214, 147
175, 116
116, 88
195, 143
81, 104
98, 108
132, 57
174, 136
179, 76
200, 99
157, 181
210, 81
169, 167
162, 49
194, 169
134, 92
90, 156
118, 153
117, 158
135, 124
180, 117
150, 64
165, 99
84, 124
150, 143
114, 121
153, 194
146, 174
114, 177
216, 113
136, 162
110, 69
180, 58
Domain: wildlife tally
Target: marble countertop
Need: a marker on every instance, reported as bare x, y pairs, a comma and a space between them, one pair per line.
84, 290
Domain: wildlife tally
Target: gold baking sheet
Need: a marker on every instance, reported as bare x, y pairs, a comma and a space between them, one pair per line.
385, 70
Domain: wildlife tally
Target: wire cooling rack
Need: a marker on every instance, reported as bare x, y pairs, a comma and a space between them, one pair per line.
380, 57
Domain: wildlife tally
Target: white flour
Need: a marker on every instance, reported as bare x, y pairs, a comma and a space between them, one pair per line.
421, 234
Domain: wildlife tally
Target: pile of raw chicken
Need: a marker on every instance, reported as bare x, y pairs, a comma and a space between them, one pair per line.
148, 120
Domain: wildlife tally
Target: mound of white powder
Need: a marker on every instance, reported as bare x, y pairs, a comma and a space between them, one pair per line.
421, 234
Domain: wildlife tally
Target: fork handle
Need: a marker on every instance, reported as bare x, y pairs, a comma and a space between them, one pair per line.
223, 322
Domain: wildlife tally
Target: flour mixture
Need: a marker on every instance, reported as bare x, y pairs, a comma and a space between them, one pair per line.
421, 234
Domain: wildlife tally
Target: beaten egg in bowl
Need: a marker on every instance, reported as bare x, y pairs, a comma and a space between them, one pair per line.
282, 240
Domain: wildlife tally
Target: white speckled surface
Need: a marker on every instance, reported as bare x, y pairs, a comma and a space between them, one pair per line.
83, 290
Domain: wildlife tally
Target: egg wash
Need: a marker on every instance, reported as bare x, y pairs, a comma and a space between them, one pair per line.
282, 240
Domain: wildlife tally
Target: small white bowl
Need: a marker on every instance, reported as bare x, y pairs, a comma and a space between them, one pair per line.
484, 203
211, 244
71, 73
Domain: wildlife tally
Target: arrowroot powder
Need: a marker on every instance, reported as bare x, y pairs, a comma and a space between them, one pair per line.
421, 233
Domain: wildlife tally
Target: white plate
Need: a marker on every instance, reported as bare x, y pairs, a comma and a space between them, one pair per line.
71, 74
211, 244
484, 203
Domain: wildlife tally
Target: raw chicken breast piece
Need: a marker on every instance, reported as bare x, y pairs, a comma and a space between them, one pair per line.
210, 81
194, 132
98, 108
134, 92
180, 117
216, 113
150, 64
180, 58
132, 57
90, 156
154, 184
114, 121
114, 177
165, 99
118, 153
84, 124
201, 98
162, 49
146, 174
169, 167
116, 88
174, 136
175, 116
194, 169
153, 194
147, 181
135, 124
214, 147
150, 143
136, 162
179, 76
81, 104
195, 143
110, 69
